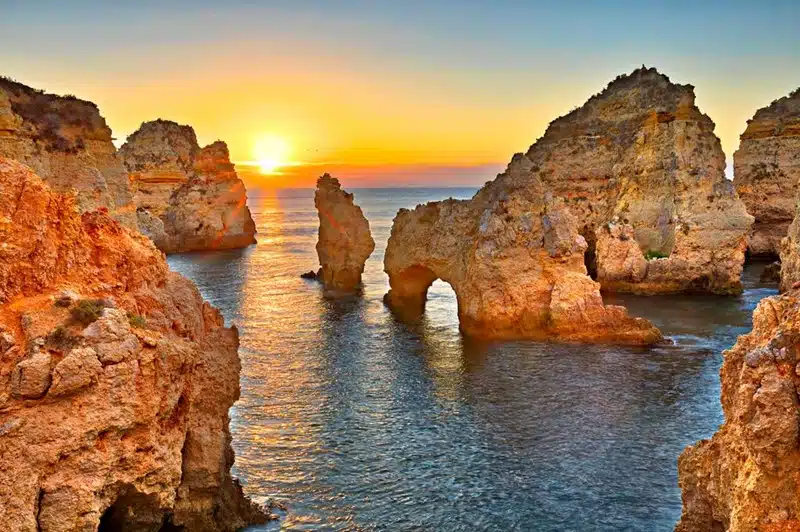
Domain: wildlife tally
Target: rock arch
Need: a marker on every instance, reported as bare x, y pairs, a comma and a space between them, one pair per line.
515, 261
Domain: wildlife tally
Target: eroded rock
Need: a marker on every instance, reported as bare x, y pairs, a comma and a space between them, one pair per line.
345, 242
187, 198
68, 144
31, 377
745, 477
140, 437
642, 155
767, 170
515, 260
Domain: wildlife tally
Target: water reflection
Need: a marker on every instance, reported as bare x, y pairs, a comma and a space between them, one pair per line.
358, 421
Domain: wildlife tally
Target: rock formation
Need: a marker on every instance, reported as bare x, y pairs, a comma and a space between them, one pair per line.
116, 377
790, 255
515, 260
641, 168
746, 476
767, 170
187, 198
68, 144
345, 242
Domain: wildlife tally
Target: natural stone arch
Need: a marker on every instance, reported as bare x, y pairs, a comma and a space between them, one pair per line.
515, 261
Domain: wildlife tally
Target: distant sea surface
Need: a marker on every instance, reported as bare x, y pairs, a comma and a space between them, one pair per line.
358, 422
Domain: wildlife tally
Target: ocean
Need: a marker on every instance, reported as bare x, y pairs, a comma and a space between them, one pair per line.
356, 421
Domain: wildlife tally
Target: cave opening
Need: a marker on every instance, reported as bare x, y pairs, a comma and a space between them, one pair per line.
133, 511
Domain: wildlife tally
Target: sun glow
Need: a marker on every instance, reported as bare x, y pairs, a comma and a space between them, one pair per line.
270, 153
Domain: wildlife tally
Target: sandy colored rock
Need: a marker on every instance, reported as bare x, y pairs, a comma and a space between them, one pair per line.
187, 198
141, 439
790, 255
68, 144
31, 377
746, 476
345, 242
515, 260
767, 170
640, 167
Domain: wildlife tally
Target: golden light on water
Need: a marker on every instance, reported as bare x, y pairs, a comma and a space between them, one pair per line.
270, 153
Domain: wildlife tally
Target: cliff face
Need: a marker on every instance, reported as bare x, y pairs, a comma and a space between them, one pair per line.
187, 198
515, 260
767, 170
746, 476
641, 168
345, 242
68, 144
115, 377
790, 254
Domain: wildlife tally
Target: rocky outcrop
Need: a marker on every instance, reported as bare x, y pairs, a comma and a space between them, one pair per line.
68, 144
115, 377
345, 242
790, 254
187, 198
515, 260
767, 170
640, 167
746, 476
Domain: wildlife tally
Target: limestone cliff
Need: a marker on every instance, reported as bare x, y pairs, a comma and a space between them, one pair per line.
68, 144
115, 377
640, 167
767, 170
515, 260
187, 198
790, 254
345, 242
746, 476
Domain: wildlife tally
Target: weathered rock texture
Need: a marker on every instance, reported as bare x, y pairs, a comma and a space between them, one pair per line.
187, 198
767, 170
345, 242
745, 478
640, 167
68, 144
790, 254
122, 421
515, 260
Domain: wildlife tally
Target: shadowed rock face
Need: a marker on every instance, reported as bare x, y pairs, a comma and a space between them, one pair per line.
116, 377
187, 198
790, 254
515, 260
345, 242
641, 169
746, 476
68, 144
767, 170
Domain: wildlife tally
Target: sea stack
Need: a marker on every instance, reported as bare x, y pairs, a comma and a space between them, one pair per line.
68, 144
345, 242
187, 198
641, 169
745, 477
515, 260
117, 377
767, 170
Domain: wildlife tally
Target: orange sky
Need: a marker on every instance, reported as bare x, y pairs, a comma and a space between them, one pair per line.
411, 93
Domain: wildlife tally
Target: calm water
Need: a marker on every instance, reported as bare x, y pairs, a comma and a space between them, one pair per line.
358, 422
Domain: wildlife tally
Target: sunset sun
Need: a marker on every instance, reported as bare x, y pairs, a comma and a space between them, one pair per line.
271, 152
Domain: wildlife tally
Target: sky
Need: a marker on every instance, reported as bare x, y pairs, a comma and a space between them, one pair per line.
388, 93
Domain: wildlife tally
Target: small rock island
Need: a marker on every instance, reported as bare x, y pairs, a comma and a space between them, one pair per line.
187, 198
345, 242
